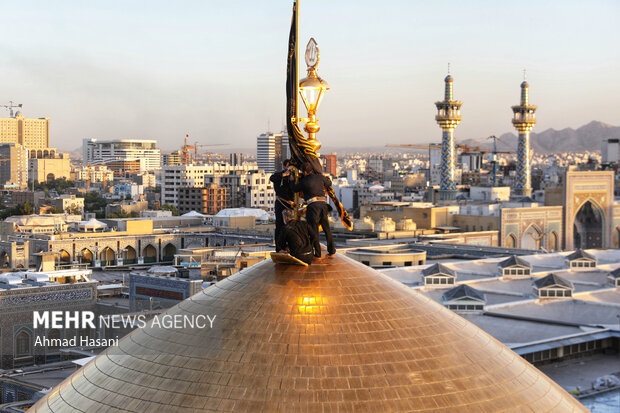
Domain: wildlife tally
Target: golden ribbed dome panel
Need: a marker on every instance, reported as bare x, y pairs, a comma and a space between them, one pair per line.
333, 337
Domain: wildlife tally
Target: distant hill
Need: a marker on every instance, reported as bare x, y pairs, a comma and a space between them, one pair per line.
587, 137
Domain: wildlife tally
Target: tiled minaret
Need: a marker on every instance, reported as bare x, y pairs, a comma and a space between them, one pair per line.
524, 120
448, 118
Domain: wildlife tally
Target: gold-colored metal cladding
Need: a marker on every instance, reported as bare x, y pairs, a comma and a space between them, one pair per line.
336, 336
311, 89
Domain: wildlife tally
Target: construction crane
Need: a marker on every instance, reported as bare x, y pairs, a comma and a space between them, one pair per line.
10, 107
186, 156
185, 152
460, 146
494, 159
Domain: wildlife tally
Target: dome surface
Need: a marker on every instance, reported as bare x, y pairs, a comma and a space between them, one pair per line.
336, 336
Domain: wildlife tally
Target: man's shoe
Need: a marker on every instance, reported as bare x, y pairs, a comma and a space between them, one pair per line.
315, 258
332, 255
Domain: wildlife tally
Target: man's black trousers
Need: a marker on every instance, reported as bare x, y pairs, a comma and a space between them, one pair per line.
316, 214
278, 208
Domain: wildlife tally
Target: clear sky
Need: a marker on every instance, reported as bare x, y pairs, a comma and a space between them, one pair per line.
216, 68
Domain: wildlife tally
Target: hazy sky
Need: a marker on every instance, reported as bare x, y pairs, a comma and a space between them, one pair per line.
216, 69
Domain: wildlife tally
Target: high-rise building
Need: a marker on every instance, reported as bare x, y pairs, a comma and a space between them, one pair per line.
610, 150
101, 152
236, 159
286, 149
524, 120
13, 166
30, 133
171, 159
209, 199
448, 118
330, 165
175, 178
271, 150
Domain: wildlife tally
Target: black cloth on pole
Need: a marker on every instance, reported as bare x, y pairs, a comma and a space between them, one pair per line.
301, 151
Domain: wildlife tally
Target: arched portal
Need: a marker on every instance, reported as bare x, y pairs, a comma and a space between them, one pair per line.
511, 241
531, 238
169, 251
64, 257
107, 256
50, 177
129, 255
149, 253
588, 227
23, 343
86, 256
553, 241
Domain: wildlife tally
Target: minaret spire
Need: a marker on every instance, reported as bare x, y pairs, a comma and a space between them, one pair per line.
448, 118
524, 120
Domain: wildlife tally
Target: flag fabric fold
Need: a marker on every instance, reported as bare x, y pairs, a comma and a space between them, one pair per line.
301, 152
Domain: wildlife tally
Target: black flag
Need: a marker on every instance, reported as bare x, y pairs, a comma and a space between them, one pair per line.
301, 152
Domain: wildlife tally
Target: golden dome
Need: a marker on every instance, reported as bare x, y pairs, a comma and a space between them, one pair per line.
334, 336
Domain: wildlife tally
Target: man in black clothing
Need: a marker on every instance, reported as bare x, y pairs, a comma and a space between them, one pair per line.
284, 198
313, 187
295, 236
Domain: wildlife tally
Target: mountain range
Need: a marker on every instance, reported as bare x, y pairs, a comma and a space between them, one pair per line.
585, 138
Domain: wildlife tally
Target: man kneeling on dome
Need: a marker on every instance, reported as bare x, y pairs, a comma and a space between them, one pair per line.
296, 238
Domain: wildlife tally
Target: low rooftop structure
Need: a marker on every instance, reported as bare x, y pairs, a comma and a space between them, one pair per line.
397, 255
464, 298
437, 275
553, 286
540, 329
581, 260
614, 277
515, 266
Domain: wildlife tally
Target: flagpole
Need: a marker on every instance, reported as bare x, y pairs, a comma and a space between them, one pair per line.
295, 170
297, 61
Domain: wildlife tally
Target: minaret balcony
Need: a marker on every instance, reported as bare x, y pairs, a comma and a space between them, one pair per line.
520, 117
524, 108
527, 119
448, 117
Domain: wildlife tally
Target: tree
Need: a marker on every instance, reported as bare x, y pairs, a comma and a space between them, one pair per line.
60, 185
171, 208
74, 210
123, 214
19, 209
25, 208
94, 202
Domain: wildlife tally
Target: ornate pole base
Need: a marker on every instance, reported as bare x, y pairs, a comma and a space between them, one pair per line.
522, 192
447, 195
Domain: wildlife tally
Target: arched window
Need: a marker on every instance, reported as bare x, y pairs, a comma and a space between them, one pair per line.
22, 343
511, 241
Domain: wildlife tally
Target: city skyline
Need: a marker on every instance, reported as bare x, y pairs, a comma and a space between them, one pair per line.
217, 73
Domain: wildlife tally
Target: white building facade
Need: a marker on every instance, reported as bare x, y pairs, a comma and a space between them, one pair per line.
95, 151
